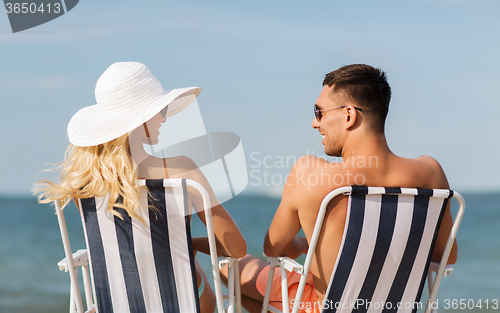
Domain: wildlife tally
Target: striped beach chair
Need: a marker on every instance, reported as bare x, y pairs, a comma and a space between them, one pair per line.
384, 258
143, 267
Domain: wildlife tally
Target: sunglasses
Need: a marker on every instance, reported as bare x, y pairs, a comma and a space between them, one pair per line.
164, 112
319, 115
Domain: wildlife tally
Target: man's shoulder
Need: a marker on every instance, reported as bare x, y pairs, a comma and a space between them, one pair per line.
310, 163
429, 163
313, 165
310, 175
430, 169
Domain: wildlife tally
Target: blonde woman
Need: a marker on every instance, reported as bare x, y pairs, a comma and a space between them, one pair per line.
106, 159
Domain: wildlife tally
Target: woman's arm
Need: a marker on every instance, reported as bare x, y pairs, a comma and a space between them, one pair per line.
230, 241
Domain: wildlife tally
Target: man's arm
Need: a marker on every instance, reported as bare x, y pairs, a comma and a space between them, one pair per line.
294, 249
281, 239
441, 182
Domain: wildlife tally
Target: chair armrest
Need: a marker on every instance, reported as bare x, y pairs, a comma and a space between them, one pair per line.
92, 309
273, 309
285, 262
233, 295
434, 267
80, 258
226, 260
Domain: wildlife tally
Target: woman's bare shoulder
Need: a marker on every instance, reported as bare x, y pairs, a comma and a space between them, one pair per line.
180, 166
159, 168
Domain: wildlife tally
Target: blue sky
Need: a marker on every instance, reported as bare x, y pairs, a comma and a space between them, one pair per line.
260, 65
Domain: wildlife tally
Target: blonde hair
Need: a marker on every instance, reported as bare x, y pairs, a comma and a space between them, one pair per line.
94, 172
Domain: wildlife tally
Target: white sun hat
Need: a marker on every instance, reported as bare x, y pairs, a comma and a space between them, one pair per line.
127, 96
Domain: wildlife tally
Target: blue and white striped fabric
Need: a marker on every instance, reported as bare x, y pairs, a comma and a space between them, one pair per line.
140, 267
386, 249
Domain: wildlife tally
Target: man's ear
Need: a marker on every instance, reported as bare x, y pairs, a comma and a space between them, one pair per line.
351, 117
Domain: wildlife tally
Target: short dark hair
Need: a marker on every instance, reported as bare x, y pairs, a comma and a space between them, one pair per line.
364, 85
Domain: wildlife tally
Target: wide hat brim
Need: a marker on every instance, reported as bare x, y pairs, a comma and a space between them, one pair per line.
91, 127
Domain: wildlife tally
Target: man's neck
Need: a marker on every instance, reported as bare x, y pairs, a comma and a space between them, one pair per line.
366, 144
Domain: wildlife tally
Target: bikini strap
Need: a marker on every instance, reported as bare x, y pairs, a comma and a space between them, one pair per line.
165, 167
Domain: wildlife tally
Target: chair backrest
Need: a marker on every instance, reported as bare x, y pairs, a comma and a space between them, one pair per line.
146, 267
386, 248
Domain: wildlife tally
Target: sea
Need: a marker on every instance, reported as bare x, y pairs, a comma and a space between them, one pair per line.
31, 246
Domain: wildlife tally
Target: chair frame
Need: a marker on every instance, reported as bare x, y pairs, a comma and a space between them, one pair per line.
441, 269
80, 258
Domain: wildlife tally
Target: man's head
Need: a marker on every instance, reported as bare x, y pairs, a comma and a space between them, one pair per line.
354, 97
365, 87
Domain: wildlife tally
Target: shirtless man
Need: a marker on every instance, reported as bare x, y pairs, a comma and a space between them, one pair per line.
350, 115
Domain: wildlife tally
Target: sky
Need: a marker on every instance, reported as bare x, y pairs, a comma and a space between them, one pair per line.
260, 65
